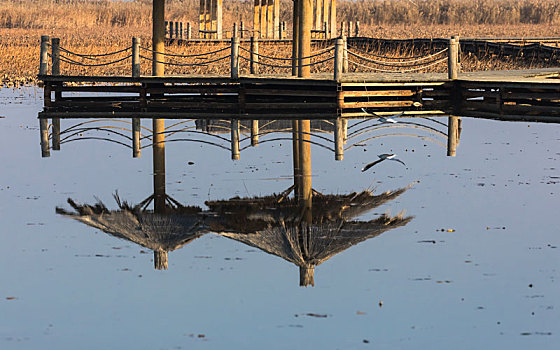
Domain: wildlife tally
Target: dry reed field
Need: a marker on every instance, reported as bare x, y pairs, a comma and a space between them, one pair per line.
90, 27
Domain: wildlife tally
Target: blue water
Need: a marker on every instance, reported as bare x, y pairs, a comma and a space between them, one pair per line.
490, 280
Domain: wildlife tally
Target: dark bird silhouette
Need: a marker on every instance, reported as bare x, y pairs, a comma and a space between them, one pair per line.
382, 157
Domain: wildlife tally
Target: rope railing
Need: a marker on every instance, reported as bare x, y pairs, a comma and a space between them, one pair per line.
185, 56
396, 57
185, 64
286, 66
410, 61
74, 62
399, 71
318, 53
94, 56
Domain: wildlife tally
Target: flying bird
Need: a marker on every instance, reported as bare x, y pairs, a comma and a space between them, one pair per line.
382, 157
384, 119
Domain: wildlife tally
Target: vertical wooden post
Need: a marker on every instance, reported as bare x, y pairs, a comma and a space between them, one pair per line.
136, 138
202, 18
276, 24
181, 32
55, 47
325, 29
158, 38
254, 64
55, 134
452, 135
234, 31
135, 57
342, 28
453, 58
262, 20
318, 14
189, 32
306, 195
241, 30
254, 132
295, 158
350, 28
306, 22
160, 259
339, 139
44, 127
338, 59
158, 149
295, 37
357, 29
234, 58
235, 139
171, 29
344, 127
44, 58
326, 17
345, 56
332, 16
257, 18
219, 26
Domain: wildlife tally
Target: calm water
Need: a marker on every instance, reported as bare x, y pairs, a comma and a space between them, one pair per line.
476, 267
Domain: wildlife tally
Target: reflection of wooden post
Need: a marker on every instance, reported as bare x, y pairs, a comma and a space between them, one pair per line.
56, 134
158, 38
235, 139
234, 58
254, 132
453, 58
306, 276
344, 129
136, 137
158, 150
55, 47
305, 24
295, 157
305, 164
339, 139
44, 58
254, 64
295, 38
160, 260
44, 128
452, 135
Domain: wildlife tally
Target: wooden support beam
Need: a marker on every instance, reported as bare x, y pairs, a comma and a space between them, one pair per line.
277, 26
257, 18
295, 37
332, 18
55, 47
270, 19
453, 58
234, 58
305, 24
44, 58
339, 61
219, 15
136, 57
262, 19
158, 38
254, 64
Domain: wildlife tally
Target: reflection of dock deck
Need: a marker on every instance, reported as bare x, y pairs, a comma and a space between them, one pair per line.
528, 95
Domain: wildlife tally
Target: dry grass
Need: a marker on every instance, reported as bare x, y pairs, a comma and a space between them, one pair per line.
102, 26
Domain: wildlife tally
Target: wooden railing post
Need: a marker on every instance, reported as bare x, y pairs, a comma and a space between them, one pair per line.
254, 64
44, 58
339, 139
181, 32
55, 47
338, 58
357, 29
342, 28
235, 139
135, 57
453, 58
350, 27
234, 58
241, 30
345, 55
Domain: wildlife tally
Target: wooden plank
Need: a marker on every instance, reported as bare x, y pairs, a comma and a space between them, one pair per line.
378, 104
512, 117
188, 115
277, 92
374, 93
290, 105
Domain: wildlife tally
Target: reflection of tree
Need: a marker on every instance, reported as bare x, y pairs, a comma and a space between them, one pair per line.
161, 233
278, 228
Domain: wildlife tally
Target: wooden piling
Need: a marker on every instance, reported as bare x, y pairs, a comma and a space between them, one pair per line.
189, 31
305, 24
295, 158
332, 16
235, 139
254, 132
181, 32
241, 30
357, 29
295, 37
136, 57
171, 29
452, 135
234, 31
136, 152
55, 47
254, 64
453, 58
339, 139
270, 19
44, 58
219, 26
263, 19
256, 18
345, 55
158, 38
277, 25
55, 134
234, 58
338, 59
342, 28
350, 28
44, 128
